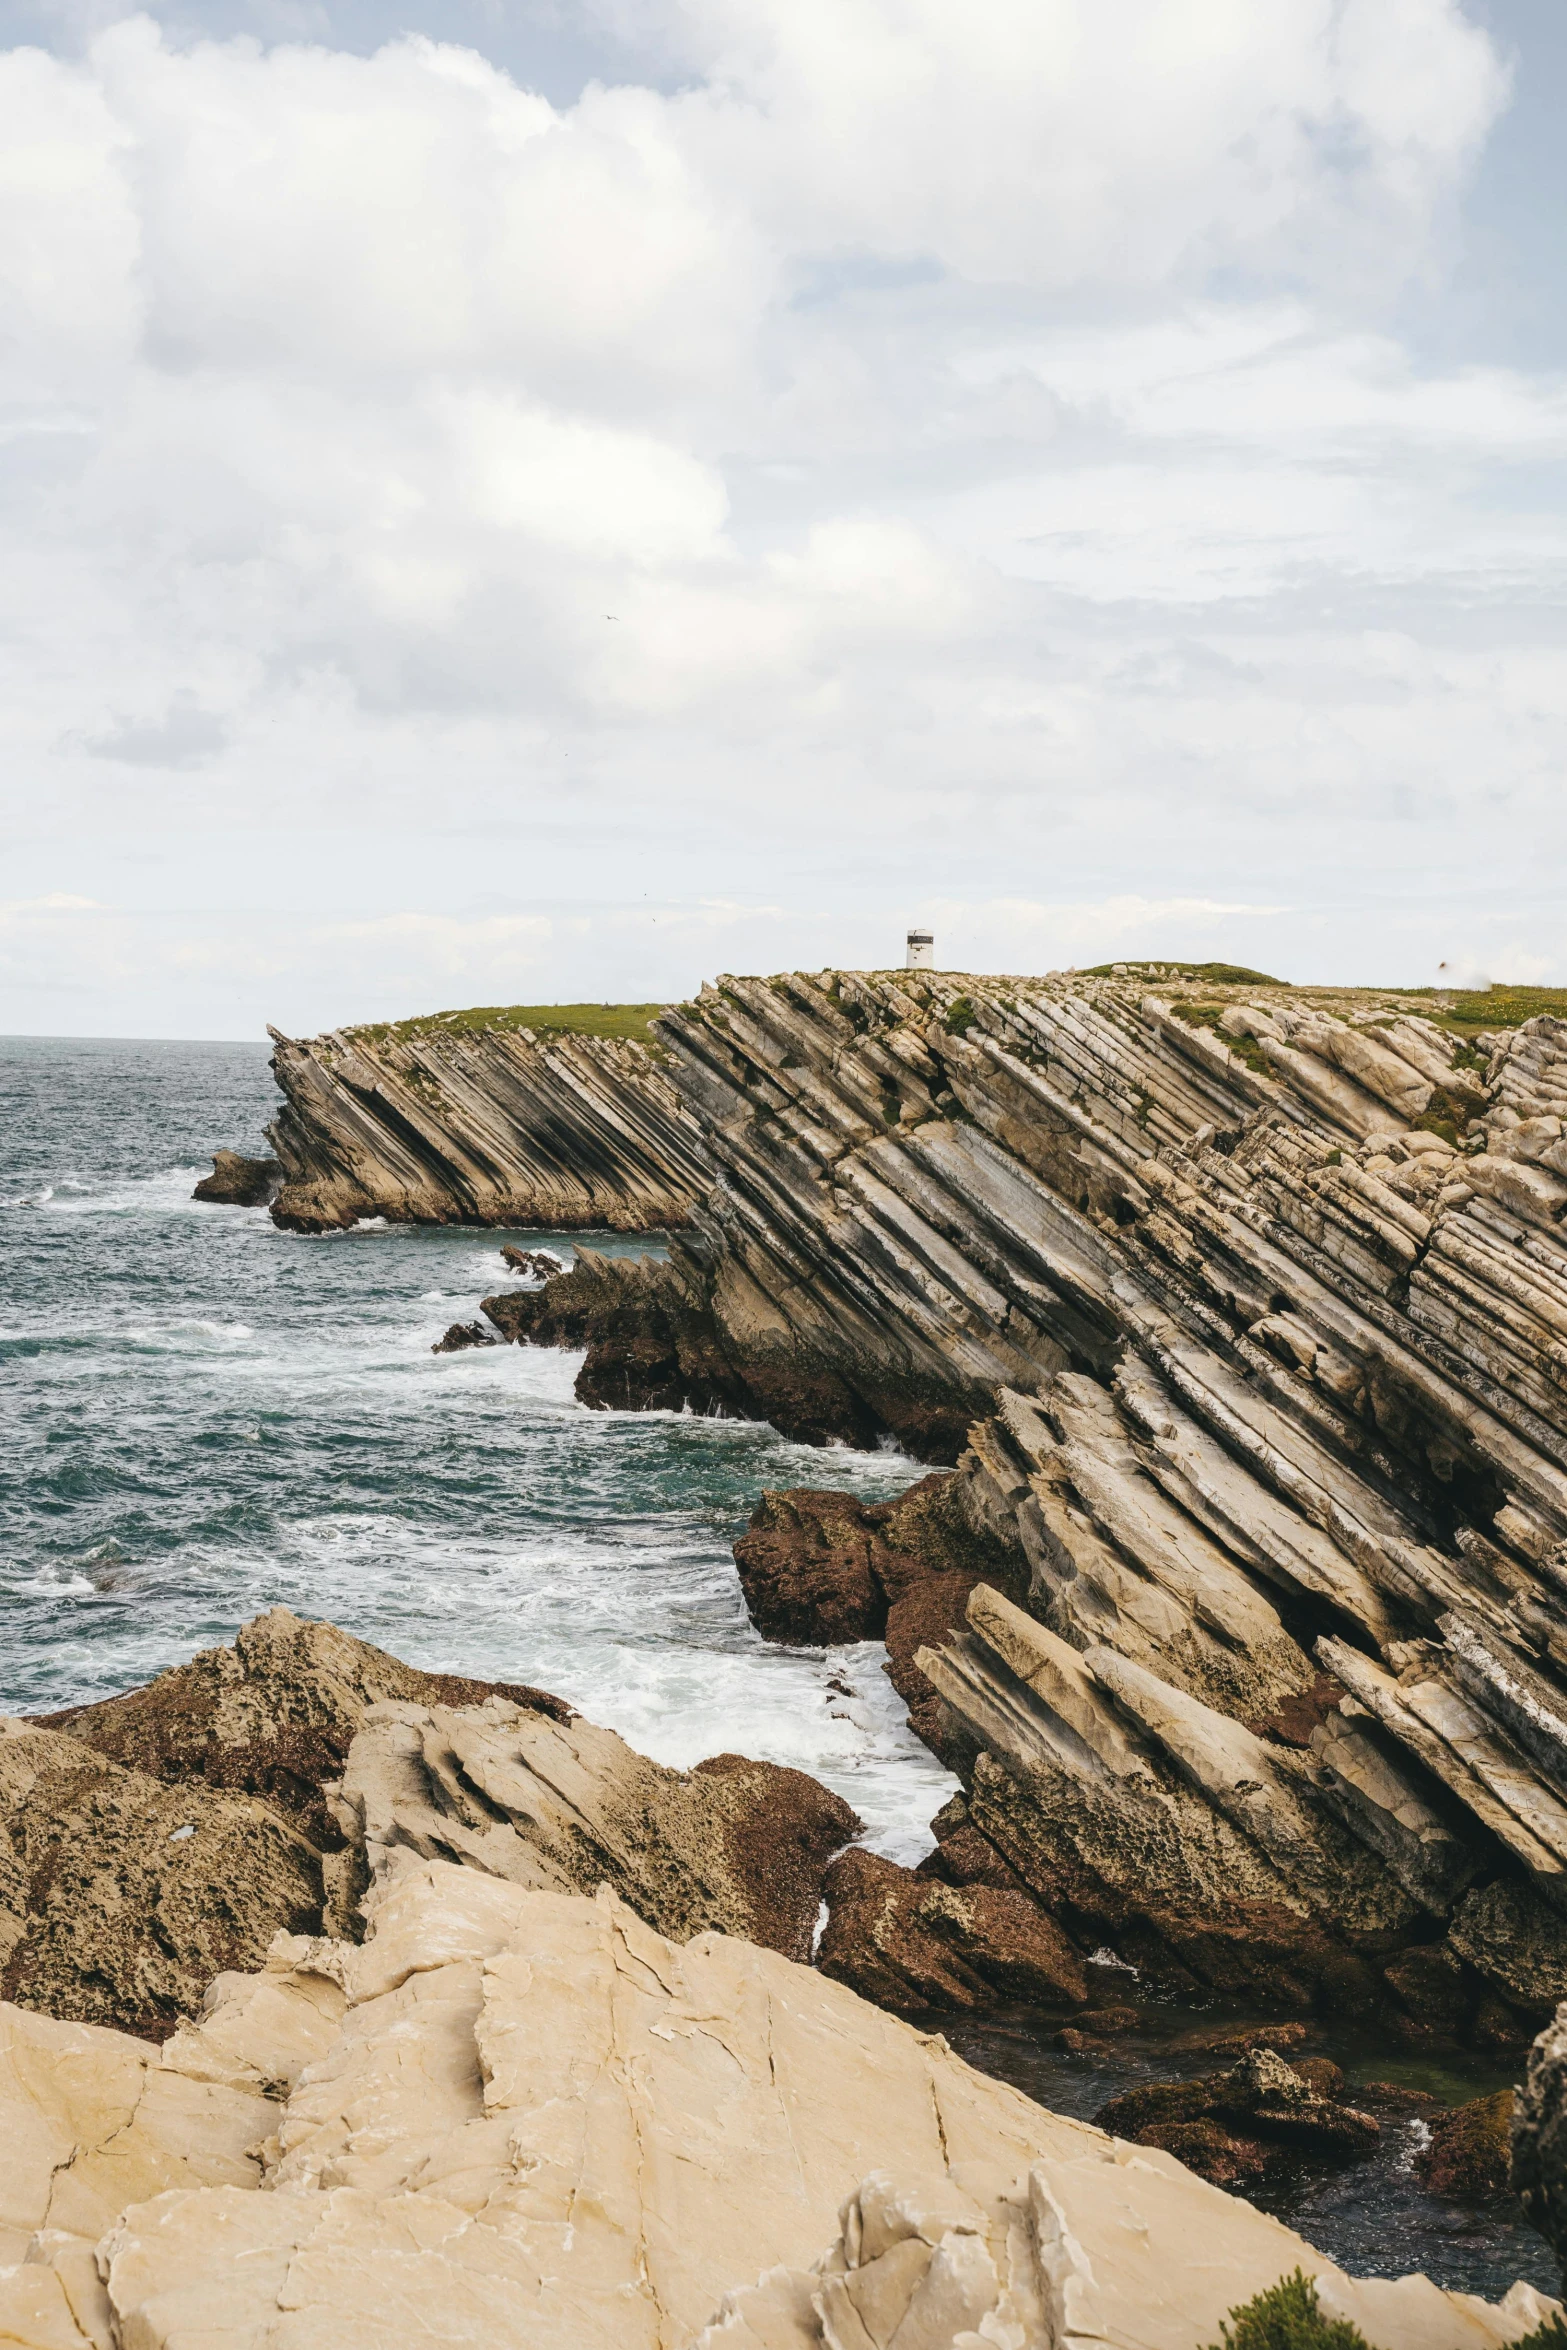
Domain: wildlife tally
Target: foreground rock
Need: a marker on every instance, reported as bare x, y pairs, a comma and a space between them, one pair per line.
431, 1122
524, 2120
156, 1839
238, 1182
735, 1846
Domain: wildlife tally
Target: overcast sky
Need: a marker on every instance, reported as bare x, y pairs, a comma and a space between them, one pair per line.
522, 500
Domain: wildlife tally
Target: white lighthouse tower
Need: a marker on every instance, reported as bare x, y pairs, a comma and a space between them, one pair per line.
921, 955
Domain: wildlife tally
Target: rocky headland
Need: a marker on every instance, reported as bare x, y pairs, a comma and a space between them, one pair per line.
481, 1119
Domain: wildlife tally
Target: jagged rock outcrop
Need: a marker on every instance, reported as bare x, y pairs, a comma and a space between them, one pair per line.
440, 1123
518, 2121
156, 1839
272, 1716
736, 1846
1250, 1307
1262, 2113
818, 1568
238, 1182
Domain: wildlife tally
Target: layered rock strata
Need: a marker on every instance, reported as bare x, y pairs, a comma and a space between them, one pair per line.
1255, 1302
522, 2120
159, 1838
437, 1124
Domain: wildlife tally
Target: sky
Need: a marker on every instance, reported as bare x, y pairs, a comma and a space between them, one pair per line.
516, 501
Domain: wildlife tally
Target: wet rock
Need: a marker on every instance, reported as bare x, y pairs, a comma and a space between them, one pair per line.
273, 1716
1538, 2163
1215, 2154
1468, 2154
908, 1943
238, 1182
1111, 2020
1285, 2109
1237, 2041
734, 1846
822, 1567
1430, 1984
534, 1264
461, 1336
1517, 1942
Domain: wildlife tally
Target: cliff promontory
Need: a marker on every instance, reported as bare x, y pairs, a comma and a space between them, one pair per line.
482, 1118
1245, 1308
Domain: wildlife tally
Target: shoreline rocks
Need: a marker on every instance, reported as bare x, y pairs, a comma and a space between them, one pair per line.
434, 1123
238, 1182
523, 2118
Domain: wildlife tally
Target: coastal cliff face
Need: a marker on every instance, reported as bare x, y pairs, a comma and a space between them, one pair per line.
1246, 1309
437, 1122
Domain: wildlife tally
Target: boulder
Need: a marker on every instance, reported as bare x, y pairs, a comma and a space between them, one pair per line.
1468, 2154
820, 1567
238, 1182
908, 1942
1238, 2124
463, 1335
534, 1264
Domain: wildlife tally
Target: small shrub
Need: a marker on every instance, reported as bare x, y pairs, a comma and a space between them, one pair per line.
960, 1016
1551, 2336
1286, 2317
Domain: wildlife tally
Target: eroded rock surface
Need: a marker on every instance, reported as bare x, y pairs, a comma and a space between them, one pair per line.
437, 1124
734, 1845
822, 1567
238, 1182
520, 2120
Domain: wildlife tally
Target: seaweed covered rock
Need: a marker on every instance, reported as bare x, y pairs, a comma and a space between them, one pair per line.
272, 1716
238, 1182
1469, 2150
820, 1567
1236, 2125
909, 1942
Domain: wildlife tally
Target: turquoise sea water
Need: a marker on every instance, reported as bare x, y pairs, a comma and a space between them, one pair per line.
201, 1416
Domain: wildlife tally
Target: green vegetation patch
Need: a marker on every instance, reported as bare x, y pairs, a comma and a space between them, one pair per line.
1217, 974
1490, 1007
1286, 2317
960, 1016
1245, 1048
634, 1020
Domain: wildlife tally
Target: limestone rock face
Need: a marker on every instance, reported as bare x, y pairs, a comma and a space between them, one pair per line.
733, 1845
1243, 1313
447, 1125
520, 2121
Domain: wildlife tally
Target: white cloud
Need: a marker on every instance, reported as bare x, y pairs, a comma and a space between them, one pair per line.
885, 456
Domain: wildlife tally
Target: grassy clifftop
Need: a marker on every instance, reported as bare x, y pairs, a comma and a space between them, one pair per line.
634, 1020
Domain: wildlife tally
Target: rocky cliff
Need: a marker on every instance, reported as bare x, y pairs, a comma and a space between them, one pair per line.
442, 1121
1247, 1308
521, 2120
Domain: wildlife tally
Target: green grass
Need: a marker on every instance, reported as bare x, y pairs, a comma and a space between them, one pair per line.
633, 1020
1219, 974
1466, 1012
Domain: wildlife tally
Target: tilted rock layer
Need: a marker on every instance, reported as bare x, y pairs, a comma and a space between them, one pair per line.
1246, 1309
448, 1125
524, 2121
